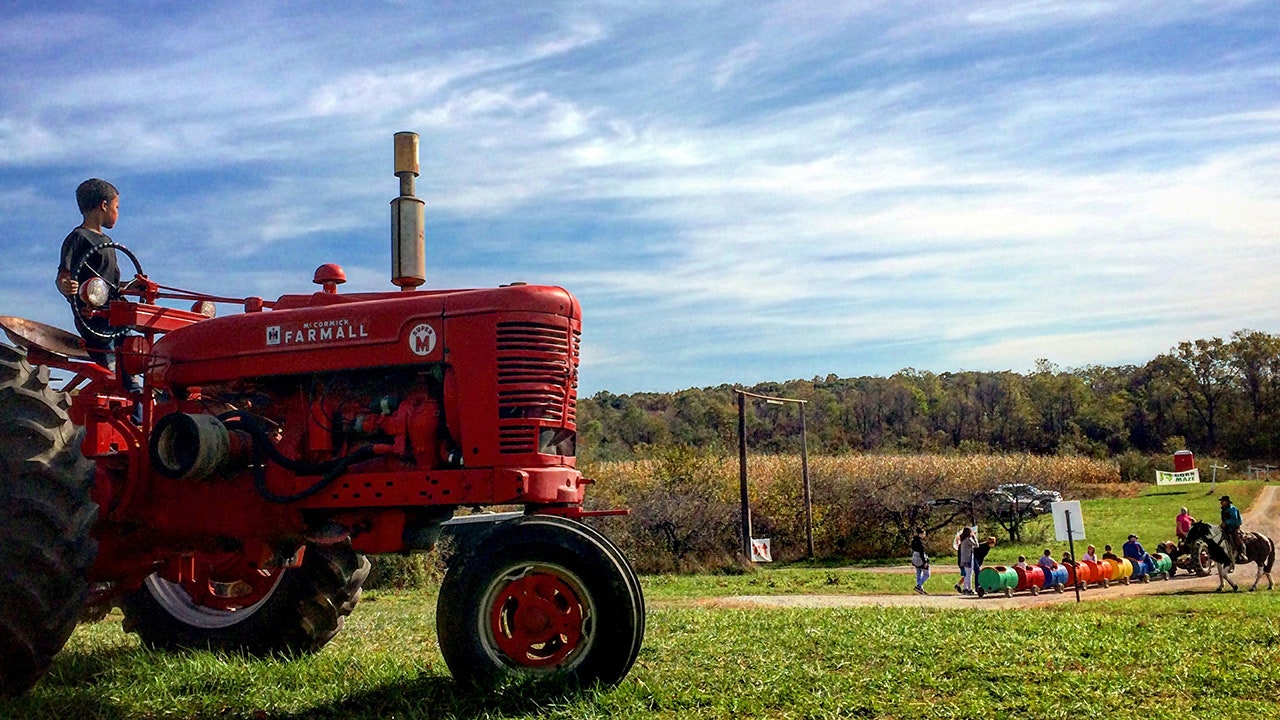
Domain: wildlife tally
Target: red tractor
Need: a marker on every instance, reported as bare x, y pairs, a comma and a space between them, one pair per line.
280, 445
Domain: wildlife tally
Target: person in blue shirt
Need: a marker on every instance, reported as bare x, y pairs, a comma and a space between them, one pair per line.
1231, 527
1047, 562
1134, 551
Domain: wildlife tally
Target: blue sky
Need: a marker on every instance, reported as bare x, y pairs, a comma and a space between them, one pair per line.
737, 192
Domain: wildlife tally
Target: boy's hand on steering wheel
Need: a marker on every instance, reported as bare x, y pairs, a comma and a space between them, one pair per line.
66, 284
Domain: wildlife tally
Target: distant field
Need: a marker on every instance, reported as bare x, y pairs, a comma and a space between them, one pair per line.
1191, 656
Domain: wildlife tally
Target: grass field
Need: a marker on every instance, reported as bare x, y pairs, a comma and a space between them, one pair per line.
1190, 656
1195, 655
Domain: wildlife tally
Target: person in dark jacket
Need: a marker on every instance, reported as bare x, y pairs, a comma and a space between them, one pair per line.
920, 560
1231, 522
980, 554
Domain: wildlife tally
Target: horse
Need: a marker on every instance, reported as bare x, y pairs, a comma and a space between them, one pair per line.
1260, 549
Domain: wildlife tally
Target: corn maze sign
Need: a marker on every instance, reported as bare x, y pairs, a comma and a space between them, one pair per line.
1185, 477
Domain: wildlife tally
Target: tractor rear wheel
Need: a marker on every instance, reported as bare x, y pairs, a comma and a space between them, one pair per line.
541, 597
227, 604
45, 517
1203, 564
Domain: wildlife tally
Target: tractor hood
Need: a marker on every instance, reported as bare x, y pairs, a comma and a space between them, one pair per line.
329, 332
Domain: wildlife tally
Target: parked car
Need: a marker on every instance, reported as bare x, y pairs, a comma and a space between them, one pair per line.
1010, 499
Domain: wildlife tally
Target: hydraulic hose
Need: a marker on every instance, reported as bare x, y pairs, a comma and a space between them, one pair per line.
264, 449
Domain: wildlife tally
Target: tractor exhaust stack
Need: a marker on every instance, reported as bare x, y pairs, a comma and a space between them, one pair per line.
408, 217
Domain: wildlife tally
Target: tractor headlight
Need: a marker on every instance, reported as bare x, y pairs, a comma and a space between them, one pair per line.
558, 442
205, 308
95, 292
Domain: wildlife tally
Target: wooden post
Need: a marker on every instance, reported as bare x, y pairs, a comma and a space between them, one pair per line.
742, 475
808, 492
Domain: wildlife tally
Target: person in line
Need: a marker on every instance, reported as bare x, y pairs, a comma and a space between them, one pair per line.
1046, 561
1108, 555
980, 554
1231, 522
1138, 554
1090, 555
964, 555
1022, 563
1182, 524
920, 560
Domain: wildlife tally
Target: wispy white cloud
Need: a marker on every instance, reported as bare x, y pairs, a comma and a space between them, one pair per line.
736, 193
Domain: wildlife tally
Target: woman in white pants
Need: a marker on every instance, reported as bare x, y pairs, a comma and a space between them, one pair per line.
965, 556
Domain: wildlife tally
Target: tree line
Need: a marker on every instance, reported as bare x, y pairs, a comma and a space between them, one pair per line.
1214, 396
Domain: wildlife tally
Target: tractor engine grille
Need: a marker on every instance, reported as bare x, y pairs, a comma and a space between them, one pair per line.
537, 382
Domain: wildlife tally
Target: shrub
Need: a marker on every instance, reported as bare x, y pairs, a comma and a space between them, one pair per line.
1137, 467
414, 571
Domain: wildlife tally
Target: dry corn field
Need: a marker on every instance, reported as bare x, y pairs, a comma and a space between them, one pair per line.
685, 504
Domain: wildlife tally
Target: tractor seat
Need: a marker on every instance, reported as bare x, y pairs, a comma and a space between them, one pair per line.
31, 334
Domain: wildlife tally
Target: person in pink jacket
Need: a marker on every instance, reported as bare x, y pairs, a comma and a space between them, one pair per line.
1183, 523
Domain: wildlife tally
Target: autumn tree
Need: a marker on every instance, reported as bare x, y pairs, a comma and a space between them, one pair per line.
1208, 377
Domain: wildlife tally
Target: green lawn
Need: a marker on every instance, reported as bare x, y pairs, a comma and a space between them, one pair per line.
1181, 656
1201, 655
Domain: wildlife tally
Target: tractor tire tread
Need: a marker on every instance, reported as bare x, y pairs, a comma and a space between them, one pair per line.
46, 515
303, 614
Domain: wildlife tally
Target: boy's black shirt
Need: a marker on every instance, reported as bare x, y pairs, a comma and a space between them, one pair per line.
102, 263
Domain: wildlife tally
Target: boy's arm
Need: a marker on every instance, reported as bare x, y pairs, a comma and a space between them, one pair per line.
66, 284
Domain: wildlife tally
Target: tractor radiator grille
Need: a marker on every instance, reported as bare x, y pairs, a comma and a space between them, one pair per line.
537, 381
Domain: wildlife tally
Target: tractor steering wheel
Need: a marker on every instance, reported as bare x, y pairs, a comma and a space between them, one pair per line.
80, 305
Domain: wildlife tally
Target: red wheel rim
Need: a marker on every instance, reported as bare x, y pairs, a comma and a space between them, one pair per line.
537, 618
227, 582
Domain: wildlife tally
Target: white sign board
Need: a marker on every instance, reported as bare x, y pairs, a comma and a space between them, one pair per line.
760, 551
1060, 510
1179, 478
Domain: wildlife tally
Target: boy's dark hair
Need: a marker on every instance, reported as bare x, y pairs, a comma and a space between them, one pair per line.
93, 192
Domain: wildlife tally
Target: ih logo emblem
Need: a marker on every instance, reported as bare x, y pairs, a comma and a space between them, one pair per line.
422, 340
273, 335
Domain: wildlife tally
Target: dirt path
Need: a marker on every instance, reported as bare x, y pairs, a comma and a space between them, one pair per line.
1262, 516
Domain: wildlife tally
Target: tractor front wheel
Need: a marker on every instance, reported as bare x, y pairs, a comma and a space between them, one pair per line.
45, 517
541, 597
223, 603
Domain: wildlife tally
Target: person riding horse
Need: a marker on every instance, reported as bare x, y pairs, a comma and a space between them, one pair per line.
1260, 549
1231, 528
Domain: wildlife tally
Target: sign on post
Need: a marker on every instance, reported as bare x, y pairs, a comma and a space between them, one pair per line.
760, 551
1060, 510
1185, 477
1068, 524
